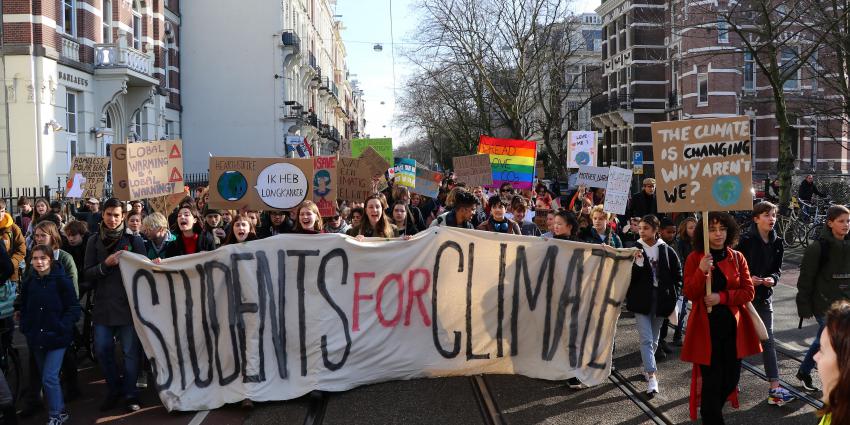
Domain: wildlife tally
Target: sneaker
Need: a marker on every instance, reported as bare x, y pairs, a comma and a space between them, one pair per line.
779, 396
806, 379
133, 404
142, 380
662, 344
575, 384
58, 420
110, 403
652, 385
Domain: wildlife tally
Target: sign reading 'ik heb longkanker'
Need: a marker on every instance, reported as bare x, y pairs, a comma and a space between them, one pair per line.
703, 165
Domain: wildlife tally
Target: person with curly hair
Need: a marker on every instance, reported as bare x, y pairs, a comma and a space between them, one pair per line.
833, 362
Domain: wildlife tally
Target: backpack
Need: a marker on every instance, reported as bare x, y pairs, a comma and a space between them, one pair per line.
824, 253
8, 295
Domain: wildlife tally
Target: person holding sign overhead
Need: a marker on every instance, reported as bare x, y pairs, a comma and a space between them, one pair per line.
716, 341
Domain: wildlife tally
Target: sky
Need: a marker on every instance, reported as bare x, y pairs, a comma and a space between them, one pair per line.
366, 23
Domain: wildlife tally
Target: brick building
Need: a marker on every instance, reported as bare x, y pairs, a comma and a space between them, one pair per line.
663, 63
80, 75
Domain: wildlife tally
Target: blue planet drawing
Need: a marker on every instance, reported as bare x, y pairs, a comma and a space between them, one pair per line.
232, 185
322, 183
726, 190
583, 158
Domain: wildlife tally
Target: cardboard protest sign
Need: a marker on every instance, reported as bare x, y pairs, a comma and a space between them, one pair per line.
260, 183
427, 182
355, 180
274, 319
384, 147
325, 184
474, 170
375, 163
512, 161
159, 204
87, 176
405, 172
143, 170
582, 148
617, 190
703, 165
592, 176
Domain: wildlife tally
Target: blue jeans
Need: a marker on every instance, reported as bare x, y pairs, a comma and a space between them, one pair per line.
809, 360
50, 362
104, 347
765, 311
649, 329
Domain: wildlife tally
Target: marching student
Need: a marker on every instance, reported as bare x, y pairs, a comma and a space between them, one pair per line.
49, 310
241, 230
763, 250
526, 227
134, 223
497, 222
278, 224
833, 361
564, 226
357, 214
400, 218
375, 224
716, 342
336, 223
652, 294
190, 235
462, 210
111, 314
600, 231
824, 276
684, 246
309, 219
158, 239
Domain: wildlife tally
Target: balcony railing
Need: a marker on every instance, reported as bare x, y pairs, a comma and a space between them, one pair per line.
335, 90
311, 60
672, 100
312, 119
290, 38
70, 49
324, 84
599, 105
115, 56
292, 109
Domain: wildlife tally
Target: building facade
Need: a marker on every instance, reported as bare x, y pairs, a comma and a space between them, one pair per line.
283, 77
80, 75
663, 63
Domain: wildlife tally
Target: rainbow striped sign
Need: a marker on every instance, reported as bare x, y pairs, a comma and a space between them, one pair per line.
512, 161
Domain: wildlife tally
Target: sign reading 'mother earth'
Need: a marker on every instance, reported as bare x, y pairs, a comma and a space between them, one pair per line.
703, 165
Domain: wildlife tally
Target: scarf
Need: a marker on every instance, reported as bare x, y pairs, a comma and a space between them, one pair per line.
111, 237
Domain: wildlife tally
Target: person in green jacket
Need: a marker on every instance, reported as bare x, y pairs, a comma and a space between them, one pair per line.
47, 233
824, 279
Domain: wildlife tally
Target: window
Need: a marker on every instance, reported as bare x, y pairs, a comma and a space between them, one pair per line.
72, 151
136, 125
166, 63
722, 31
749, 71
69, 17
787, 63
107, 21
702, 88
71, 112
137, 25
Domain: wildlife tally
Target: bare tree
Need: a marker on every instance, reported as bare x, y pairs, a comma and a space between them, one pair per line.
494, 67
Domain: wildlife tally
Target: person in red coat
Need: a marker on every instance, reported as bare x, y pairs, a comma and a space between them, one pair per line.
716, 342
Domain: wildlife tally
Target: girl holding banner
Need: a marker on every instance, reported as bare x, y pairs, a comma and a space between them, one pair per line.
190, 236
309, 219
241, 230
720, 330
375, 224
652, 295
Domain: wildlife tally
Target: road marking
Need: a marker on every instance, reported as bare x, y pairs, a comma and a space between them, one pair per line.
199, 417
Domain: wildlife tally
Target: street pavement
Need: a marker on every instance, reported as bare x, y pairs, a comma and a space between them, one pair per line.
508, 399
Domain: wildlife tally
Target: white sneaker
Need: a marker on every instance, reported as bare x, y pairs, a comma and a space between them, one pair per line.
652, 385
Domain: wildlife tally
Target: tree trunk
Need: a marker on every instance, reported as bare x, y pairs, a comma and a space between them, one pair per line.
786, 157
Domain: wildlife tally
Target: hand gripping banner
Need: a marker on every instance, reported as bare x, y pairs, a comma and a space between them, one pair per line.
276, 318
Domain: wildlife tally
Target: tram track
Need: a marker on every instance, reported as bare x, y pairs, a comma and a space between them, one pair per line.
655, 414
490, 412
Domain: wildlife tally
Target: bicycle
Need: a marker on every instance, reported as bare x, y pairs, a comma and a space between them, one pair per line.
816, 213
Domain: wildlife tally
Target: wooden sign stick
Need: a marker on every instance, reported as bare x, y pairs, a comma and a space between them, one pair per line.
706, 251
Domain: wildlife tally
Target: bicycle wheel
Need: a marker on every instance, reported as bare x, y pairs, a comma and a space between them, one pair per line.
813, 234
793, 234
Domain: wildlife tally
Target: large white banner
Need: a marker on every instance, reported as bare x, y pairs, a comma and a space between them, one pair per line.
276, 318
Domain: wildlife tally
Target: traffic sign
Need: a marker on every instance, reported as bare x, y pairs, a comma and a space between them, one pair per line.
638, 158
638, 169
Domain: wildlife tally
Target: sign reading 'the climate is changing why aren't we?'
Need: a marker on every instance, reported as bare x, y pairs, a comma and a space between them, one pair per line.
703, 165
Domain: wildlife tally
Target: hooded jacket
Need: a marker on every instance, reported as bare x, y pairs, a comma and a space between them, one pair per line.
49, 309
821, 283
15, 244
667, 274
763, 258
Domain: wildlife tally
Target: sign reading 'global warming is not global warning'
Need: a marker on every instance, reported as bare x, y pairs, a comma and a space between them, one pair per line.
703, 165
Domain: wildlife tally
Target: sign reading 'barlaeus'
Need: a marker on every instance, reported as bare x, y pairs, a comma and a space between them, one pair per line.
276, 318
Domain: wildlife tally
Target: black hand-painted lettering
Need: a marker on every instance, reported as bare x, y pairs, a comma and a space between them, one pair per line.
435, 322
144, 274
501, 302
177, 346
323, 289
302, 326
469, 354
190, 327
265, 290
531, 295
209, 268
243, 308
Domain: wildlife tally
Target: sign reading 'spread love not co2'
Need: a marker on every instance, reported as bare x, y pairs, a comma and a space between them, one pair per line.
703, 165
276, 318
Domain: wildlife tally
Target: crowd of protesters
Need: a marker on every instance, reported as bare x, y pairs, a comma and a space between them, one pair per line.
56, 255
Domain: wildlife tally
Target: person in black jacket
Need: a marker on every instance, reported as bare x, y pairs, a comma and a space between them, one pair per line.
807, 189
111, 315
190, 237
279, 222
652, 294
763, 250
644, 202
